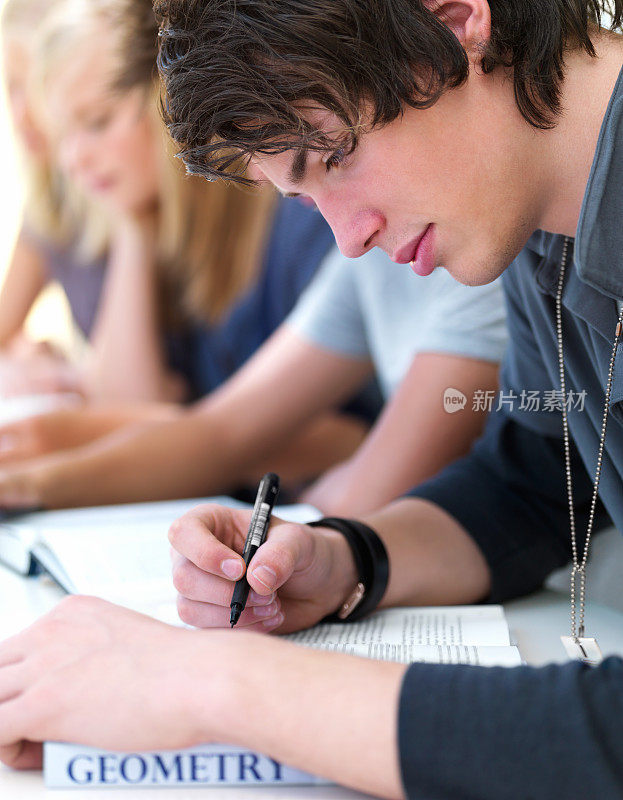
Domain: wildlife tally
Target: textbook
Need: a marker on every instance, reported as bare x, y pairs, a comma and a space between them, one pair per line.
452, 634
476, 635
72, 766
119, 553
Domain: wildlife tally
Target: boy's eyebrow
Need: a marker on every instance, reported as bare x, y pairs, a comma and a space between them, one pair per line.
298, 168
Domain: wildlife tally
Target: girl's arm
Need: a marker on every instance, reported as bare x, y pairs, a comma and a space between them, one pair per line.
24, 280
127, 362
203, 450
68, 427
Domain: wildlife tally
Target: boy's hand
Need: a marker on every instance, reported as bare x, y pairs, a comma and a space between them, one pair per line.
97, 674
298, 576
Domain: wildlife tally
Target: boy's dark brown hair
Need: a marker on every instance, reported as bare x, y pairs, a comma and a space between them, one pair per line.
239, 73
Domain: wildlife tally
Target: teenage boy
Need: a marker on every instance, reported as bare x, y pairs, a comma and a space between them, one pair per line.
446, 135
358, 320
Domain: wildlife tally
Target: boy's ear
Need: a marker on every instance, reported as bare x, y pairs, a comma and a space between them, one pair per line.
469, 20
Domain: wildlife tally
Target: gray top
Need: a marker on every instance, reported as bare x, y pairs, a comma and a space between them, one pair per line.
371, 308
81, 280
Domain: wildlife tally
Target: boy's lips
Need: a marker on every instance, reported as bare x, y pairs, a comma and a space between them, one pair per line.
423, 261
408, 253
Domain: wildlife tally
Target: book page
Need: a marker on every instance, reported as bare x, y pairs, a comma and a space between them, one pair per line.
444, 625
162, 511
433, 654
107, 516
128, 564
15, 548
122, 553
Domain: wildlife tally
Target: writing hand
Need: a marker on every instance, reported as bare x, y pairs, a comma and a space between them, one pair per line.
298, 576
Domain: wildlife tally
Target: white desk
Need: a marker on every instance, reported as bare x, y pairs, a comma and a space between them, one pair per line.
536, 624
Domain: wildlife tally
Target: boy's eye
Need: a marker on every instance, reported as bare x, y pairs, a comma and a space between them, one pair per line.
335, 159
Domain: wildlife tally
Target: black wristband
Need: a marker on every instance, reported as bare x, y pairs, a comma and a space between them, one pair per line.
370, 559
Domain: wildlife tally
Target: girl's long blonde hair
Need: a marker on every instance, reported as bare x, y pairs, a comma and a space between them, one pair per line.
54, 210
210, 236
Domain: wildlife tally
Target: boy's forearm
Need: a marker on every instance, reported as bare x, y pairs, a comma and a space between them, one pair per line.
433, 560
325, 713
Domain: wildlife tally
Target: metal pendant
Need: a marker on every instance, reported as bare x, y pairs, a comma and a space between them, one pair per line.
583, 649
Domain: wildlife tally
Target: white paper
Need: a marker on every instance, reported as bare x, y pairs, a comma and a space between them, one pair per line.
435, 635
120, 553
450, 625
434, 654
128, 564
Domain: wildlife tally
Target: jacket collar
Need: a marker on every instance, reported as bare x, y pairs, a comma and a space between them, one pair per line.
599, 236
598, 246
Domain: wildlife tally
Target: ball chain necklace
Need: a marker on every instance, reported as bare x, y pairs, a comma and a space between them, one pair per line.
578, 645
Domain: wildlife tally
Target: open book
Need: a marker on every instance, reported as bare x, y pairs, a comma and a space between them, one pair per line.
119, 553
457, 634
445, 635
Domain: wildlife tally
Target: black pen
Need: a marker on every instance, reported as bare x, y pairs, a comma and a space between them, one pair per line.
258, 528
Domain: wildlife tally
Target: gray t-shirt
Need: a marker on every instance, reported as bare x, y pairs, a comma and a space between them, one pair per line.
372, 308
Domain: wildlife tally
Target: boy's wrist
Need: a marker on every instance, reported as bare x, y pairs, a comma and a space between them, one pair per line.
222, 688
344, 573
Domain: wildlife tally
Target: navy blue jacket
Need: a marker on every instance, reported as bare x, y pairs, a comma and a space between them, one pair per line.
553, 732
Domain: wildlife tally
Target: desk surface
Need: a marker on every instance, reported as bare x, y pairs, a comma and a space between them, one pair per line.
536, 624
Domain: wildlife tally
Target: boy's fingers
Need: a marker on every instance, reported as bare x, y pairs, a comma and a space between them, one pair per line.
192, 537
11, 650
206, 615
12, 682
22, 755
195, 584
13, 722
287, 549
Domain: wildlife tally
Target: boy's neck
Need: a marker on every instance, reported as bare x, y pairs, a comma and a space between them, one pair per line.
569, 148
